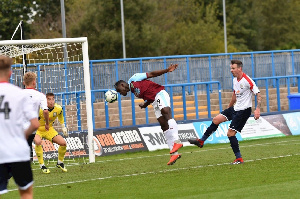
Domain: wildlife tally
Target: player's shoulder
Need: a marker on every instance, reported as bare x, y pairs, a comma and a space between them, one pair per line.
35, 92
57, 106
137, 77
247, 78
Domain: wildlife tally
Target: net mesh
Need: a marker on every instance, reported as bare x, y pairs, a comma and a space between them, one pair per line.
63, 76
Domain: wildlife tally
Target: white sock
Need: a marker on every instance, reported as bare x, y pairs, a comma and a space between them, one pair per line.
58, 162
173, 128
169, 139
42, 165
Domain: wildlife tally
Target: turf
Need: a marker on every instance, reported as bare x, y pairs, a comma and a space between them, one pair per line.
271, 170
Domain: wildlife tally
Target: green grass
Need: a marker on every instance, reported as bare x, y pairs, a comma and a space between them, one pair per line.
271, 170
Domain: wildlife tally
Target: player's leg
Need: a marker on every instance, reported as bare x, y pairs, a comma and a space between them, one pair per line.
29, 141
237, 124
39, 151
58, 139
5, 171
23, 177
222, 117
163, 114
173, 129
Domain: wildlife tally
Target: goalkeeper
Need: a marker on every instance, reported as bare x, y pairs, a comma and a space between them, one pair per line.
55, 111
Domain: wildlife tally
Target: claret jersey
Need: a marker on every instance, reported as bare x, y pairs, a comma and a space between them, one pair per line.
243, 90
143, 88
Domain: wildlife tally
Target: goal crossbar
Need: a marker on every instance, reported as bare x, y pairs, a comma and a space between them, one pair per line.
44, 41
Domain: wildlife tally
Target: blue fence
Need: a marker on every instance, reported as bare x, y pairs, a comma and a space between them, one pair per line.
65, 77
196, 73
183, 87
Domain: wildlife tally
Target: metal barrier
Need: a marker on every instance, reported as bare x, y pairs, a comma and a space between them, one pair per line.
65, 77
277, 86
290, 80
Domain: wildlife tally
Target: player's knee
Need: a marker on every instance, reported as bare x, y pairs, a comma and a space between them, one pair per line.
231, 133
37, 142
167, 113
218, 119
164, 127
63, 143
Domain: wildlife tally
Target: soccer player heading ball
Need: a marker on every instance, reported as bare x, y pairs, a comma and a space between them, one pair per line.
238, 111
154, 93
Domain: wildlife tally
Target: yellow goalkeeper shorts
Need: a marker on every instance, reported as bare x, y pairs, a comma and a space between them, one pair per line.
49, 135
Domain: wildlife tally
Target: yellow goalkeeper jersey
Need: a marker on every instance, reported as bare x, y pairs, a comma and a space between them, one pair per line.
56, 112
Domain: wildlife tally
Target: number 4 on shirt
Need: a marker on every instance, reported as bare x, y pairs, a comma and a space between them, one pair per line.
6, 108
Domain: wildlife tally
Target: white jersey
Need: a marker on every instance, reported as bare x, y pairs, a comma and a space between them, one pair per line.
243, 90
39, 101
15, 106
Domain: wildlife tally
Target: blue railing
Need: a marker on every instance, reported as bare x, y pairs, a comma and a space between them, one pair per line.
61, 77
277, 83
79, 94
184, 89
199, 68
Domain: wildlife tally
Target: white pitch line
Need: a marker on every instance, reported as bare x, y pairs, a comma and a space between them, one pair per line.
156, 172
202, 150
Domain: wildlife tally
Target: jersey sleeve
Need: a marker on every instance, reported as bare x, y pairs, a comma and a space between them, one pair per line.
253, 87
61, 117
137, 77
43, 104
28, 108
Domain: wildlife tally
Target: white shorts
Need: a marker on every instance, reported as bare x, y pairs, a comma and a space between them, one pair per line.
162, 100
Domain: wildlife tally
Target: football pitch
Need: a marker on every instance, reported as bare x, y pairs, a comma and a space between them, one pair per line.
271, 170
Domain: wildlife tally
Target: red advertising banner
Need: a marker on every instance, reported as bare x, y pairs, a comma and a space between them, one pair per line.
109, 142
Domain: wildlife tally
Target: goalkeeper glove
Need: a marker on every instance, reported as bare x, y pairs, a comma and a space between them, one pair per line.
64, 130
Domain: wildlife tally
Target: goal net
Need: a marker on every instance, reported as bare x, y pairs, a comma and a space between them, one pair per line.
62, 68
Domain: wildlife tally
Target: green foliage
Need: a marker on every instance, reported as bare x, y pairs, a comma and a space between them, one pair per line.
11, 13
160, 27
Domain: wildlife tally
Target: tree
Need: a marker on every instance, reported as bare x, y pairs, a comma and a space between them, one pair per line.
11, 13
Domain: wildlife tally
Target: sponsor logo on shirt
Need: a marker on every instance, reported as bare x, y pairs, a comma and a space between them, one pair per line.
137, 92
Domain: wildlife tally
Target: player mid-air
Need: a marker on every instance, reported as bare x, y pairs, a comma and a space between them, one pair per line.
154, 93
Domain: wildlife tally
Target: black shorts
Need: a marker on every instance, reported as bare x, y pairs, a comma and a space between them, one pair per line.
20, 171
239, 118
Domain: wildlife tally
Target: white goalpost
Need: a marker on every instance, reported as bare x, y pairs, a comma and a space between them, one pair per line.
69, 79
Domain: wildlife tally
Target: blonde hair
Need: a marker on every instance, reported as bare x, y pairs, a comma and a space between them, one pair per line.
29, 77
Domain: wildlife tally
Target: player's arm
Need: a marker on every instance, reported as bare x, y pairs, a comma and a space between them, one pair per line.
30, 114
62, 123
34, 125
44, 107
145, 104
233, 100
257, 109
156, 73
46, 116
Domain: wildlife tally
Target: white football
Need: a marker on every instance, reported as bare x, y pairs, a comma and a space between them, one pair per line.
111, 96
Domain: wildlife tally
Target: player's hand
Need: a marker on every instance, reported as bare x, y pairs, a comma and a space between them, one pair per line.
142, 105
172, 67
256, 114
65, 130
47, 127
